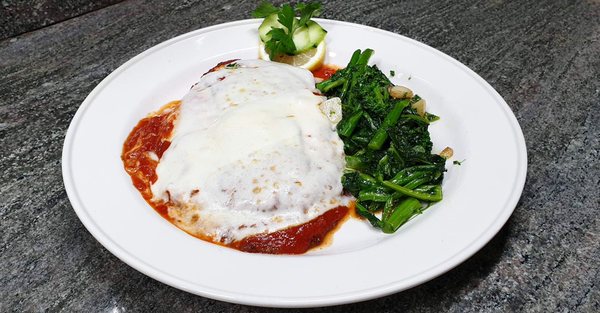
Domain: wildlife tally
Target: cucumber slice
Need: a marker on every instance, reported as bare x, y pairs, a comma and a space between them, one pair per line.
268, 23
302, 40
305, 38
309, 37
316, 33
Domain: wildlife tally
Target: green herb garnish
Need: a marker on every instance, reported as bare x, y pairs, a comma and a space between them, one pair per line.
232, 66
282, 39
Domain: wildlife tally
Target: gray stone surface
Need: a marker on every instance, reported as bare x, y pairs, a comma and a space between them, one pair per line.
543, 57
19, 16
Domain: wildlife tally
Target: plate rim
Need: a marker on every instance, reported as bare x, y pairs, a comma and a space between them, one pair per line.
266, 301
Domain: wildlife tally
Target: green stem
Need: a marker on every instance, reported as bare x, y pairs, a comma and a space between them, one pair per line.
354, 58
327, 85
403, 212
415, 118
362, 211
369, 181
354, 162
391, 118
373, 196
418, 182
426, 193
408, 174
347, 127
364, 57
388, 208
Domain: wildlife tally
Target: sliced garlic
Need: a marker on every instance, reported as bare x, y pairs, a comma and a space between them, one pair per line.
400, 92
332, 108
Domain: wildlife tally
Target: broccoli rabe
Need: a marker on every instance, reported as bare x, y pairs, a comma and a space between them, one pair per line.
389, 164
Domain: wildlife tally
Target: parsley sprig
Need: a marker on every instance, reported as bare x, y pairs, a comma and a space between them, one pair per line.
282, 39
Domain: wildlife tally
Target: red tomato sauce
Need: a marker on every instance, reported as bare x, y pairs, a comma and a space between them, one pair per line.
220, 66
325, 72
296, 239
146, 144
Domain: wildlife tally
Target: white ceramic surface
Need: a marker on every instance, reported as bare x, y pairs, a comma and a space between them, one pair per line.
478, 198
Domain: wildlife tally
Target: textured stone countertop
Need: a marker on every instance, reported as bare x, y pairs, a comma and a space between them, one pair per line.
543, 57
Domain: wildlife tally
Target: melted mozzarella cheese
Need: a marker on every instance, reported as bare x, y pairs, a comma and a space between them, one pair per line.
251, 153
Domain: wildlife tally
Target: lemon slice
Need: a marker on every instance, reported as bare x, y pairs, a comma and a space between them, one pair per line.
311, 59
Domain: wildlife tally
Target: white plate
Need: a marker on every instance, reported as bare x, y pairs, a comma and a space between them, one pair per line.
361, 263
